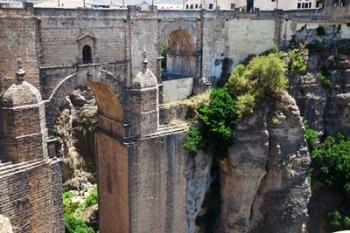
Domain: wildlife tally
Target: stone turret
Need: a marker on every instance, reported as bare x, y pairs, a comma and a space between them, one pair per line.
144, 94
24, 120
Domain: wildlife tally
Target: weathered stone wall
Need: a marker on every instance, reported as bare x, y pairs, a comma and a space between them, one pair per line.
157, 190
18, 40
30, 196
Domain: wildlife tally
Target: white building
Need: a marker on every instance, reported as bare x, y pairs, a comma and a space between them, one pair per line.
11, 3
210, 4
267, 5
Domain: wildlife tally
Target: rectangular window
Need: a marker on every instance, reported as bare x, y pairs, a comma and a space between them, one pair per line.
196, 6
310, 4
299, 5
211, 5
186, 6
232, 6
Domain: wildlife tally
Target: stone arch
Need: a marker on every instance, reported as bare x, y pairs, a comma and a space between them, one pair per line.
185, 26
179, 55
111, 151
107, 89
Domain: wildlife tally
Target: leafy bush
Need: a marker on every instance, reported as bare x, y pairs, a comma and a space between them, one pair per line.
68, 205
217, 121
262, 76
325, 82
346, 222
296, 63
331, 168
75, 225
193, 141
332, 160
73, 209
311, 136
92, 198
335, 220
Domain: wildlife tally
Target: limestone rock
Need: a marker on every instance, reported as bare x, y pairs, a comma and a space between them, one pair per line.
263, 180
311, 98
198, 182
326, 110
5, 225
90, 215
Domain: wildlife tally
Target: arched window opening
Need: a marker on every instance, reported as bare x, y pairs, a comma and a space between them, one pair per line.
178, 52
87, 54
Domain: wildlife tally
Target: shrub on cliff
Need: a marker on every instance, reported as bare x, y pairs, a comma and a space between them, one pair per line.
75, 225
217, 121
332, 160
264, 75
331, 169
296, 63
193, 141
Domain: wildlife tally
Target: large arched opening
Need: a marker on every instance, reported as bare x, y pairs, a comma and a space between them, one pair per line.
111, 152
178, 51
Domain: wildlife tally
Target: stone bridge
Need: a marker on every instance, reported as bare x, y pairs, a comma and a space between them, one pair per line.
45, 54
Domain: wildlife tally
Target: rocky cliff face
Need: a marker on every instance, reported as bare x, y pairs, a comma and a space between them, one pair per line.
326, 109
74, 129
264, 185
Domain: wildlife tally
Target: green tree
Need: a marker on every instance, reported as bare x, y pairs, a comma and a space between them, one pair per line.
217, 121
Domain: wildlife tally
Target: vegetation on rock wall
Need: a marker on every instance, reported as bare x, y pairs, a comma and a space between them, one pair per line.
264, 75
217, 120
74, 206
331, 169
296, 61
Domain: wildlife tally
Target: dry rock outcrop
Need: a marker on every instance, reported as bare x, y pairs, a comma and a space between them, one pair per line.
264, 185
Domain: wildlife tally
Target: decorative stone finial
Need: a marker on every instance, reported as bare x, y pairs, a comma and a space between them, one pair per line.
145, 62
20, 73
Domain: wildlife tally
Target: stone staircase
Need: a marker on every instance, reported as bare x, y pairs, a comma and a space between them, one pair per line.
170, 129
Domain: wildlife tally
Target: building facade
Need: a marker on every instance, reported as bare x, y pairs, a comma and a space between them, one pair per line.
250, 4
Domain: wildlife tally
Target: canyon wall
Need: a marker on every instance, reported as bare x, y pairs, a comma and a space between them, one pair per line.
264, 185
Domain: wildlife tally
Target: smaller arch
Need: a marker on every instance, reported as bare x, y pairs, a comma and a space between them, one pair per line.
179, 54
87, 54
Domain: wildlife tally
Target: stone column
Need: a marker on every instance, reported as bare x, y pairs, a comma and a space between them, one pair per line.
144, 97
23, 114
